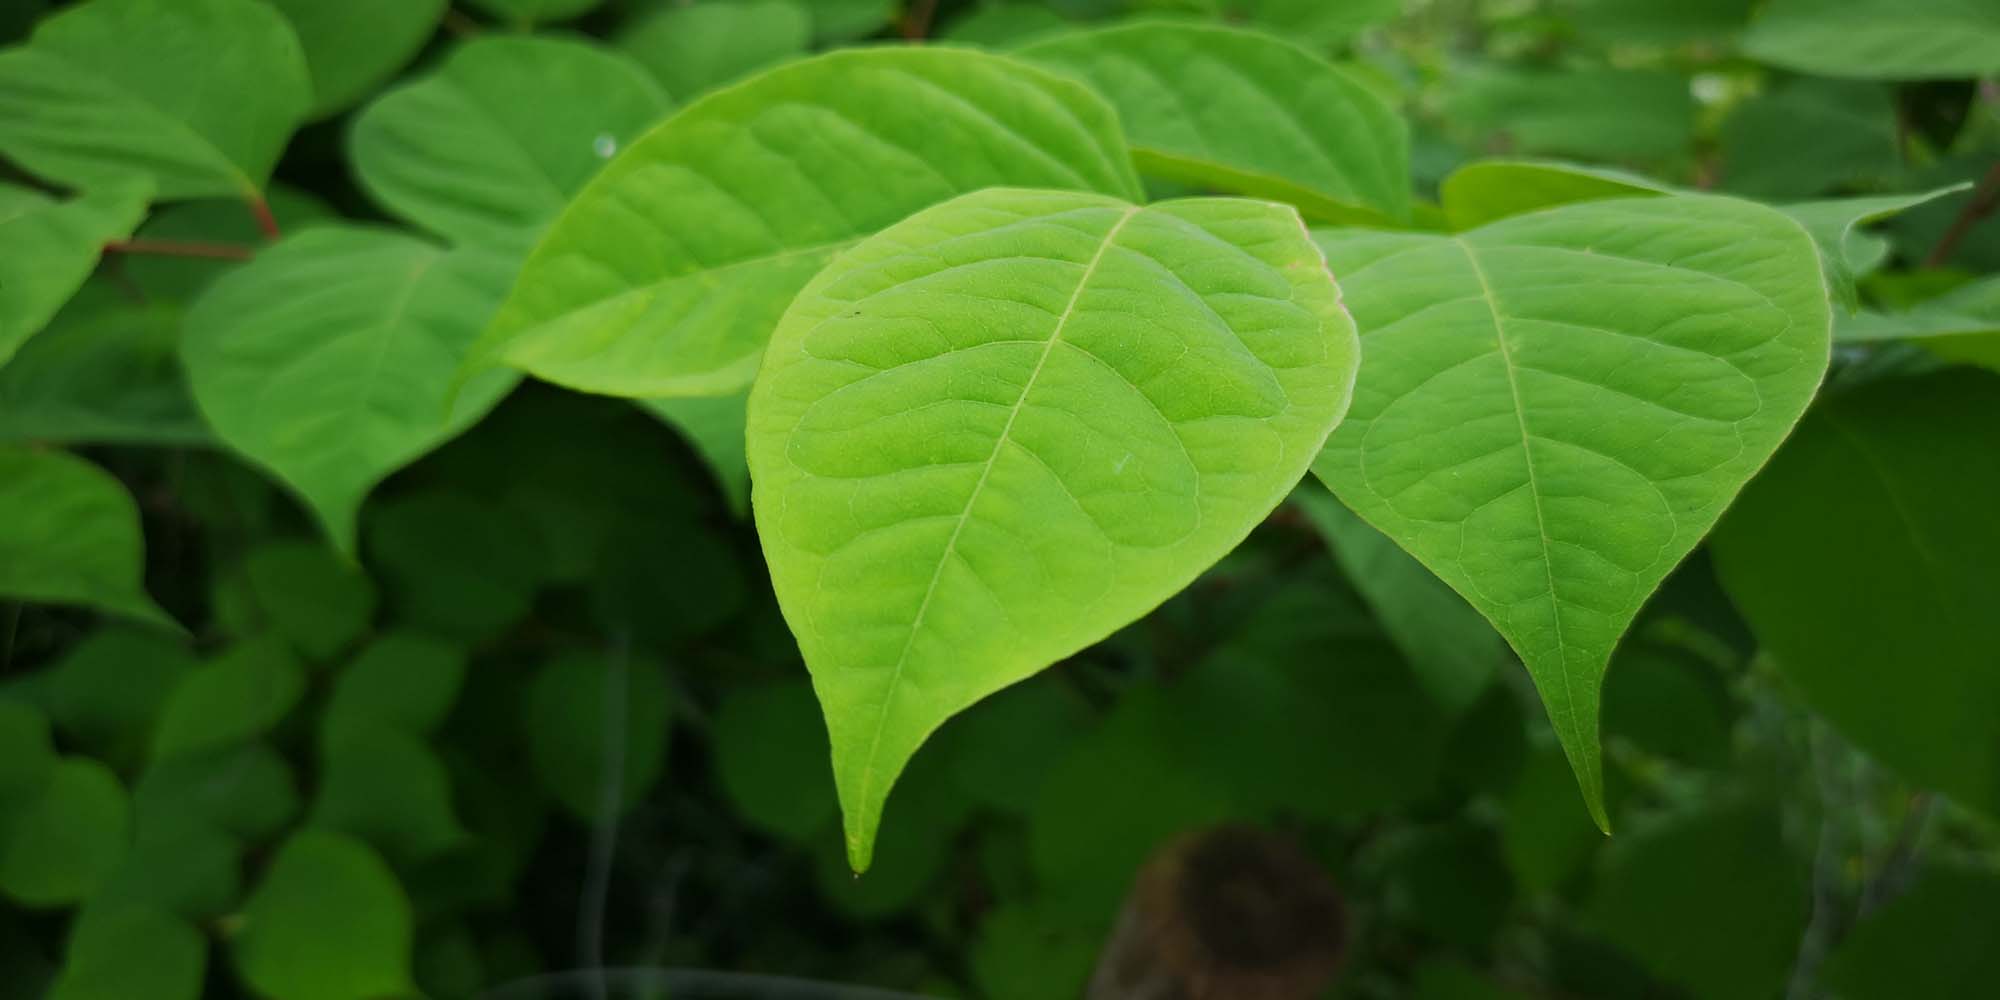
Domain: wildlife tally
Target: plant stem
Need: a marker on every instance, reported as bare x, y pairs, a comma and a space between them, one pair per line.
1984, 199
180, 248
917, 19
266, 222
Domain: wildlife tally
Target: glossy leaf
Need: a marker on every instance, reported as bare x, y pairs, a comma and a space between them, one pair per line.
1961, 325
1553, 451
953, 498
696, 48
1879, 39
353, 46
1245, 113
327, 922
576, 708
197, 96
631, 294
51, 248
1905, 474
69, 534
106, 370
1491, 190
491, 146
127, 950
329, 359
59, 843
235, 698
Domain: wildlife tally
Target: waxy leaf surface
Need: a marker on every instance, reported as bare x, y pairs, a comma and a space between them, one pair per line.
1000, 430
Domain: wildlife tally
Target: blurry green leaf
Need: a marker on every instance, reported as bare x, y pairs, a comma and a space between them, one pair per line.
58, 843
1205, 356
1452, 883
1487, 746
848, 20
198, 96
1905, 475
665, 584
123, 951
1922, 229
1668, 702
1879, 39
107, 690
27, 755
1019, 953
1934, 941
179, 280
578, 707
1001, 25
1454, 650
386, 787
308, 595
51, 248
494, 143
403, 680
1548, 839
1553, 451
1809, 136
1314, 22
1245, 113
1713, 901
69, 534
696, 48
917, 839
1615, 115
1835, 225
328, 360
447, 962
1491, 190
631, 294
1655, 22
1961, 325
528, 13
235, 698
1002, 750
327, 922
245, 790
179, 862
105, 370
715, 426
770, 757
351, 47
456, 565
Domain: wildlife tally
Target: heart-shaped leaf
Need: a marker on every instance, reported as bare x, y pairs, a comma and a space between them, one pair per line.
998, 431
51, 248
352, 46
69, 534
58, 844
126, 950
239, 696
631, 294
197, 95
493, 144
327, 922
1879, 39
330, 358
1554, 409
1245, 113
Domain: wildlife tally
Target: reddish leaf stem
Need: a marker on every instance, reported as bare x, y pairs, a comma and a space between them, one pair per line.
266, 222
180, 248
1985, 198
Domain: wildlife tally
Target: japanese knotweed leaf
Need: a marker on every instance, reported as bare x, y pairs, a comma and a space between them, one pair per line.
69, 534
1961, 325
1846, 252
51, 248
493, 144
1491, 190
352, 46
998, 431
1554, 409
1879, 39
197, 95
330, 358
1245, 113
694, 49
667, 273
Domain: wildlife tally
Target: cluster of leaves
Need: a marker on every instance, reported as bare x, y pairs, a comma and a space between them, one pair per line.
1252, 355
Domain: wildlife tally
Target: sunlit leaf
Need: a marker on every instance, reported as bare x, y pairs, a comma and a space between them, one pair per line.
327, 922
69, 534
51, 248
1491, 190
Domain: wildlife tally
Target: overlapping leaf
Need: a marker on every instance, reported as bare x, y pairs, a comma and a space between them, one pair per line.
1491, 190
69, 534
1879, 39
106, 370
51, 248
696, 48
352, 46
1961, 325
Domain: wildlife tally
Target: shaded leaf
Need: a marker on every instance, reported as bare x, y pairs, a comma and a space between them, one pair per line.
59, 843
1615, 115
27, 754
179, 279
69, 534
577, 709
351, 47
129, 950
715, 426
235, 698
327, 922
456, 565
1835, 225
1810, 136
245, 790
1879, 39
385, 786
105, 371
403, 680
528, 13
51, 248
696, 48
1961, 325
770, 754
107, 690
308, 595
1936, 940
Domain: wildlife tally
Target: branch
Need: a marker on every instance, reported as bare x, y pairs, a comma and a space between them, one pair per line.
1985, 198
180, 248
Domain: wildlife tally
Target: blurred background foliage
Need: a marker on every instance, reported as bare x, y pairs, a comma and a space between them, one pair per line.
550, 738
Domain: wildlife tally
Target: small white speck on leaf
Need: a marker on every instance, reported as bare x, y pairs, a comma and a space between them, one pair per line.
605, 145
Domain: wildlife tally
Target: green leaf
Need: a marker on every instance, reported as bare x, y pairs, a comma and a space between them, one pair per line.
575, 706
694, 49
1810, 136
1615, 115
403, 679
714, 425
327, 922
69, 534
308, 595
1546, 838
1879, 39
455, 565
1713, 901
1835, 225
1668, 701
106, 691
180, 280
1933, 941
1961, 325
129, 950
351, 47
1491, 190
27, 755
245, 790
235, 698
386, 787
1905, 475
848, 20
179, 862
106, 370
1017, 954
51, 248
1655, 22
949, 503
1245, 113
631, 294
199, 96
528, 13
1002, 25
1555, 408
770, 757
329, 359
58, 844
1315, 22
492, 145
1453, 648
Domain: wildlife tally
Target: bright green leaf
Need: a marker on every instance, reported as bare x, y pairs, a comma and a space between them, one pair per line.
69, 534
949, 503
492, 145
1879, 39
51, 248
235, 698
577, 709
631, 294
1491, 190
58, 844
352, 46
121, 951
199, 96
403, 679
1245, 113
106, 370
696, 48
329, 359
327, 922
715, 426
1555, 408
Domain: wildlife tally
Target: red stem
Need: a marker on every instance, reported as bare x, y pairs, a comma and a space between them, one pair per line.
180, 248
917, 20
266, 222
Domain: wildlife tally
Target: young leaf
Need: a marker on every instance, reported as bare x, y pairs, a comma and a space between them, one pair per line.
58, 844
69, 534
694, 49
493, 144
631, 294
1879, 39
1555, 408
329, 359
998, 431
714, 425
106, 370
1491, 190
199, 96
1905, 474
327, 922
1960, 325
1245, 113
124, 950
51, 248
352, 46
